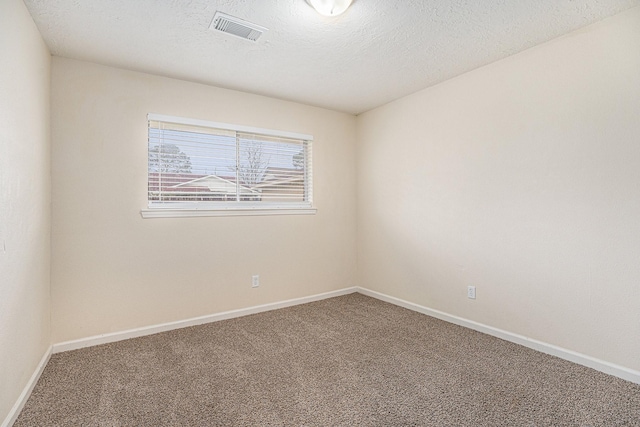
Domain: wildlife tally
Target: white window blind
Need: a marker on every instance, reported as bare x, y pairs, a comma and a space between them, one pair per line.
194, 164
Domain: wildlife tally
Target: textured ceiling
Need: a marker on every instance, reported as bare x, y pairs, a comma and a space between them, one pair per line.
378, 51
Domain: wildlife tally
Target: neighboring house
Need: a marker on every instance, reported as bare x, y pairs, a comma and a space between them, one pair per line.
282, 185
214, 188
190, 187
278, 185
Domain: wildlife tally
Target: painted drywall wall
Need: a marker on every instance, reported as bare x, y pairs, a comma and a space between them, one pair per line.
113, 270
521, 178
25, 189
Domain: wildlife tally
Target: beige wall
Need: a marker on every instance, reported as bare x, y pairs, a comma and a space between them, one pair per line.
113, 270
523, 179
25, 189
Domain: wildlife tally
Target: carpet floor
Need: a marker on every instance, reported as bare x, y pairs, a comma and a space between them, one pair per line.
345, 361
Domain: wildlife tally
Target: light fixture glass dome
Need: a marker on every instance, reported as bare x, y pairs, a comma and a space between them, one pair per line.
330, 7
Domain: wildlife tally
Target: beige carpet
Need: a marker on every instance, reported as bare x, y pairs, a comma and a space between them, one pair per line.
346, 361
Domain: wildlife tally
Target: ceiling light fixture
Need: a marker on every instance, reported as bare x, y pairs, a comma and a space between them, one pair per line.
330, 7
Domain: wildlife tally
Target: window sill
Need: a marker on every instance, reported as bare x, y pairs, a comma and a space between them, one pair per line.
185, 213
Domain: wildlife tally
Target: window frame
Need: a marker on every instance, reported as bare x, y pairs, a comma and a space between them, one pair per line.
228, 208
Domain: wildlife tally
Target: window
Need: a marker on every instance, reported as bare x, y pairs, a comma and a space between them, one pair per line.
200, 168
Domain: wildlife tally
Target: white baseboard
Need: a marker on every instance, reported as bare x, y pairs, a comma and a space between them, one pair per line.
154, 329
553, 350
26, 392
572, 356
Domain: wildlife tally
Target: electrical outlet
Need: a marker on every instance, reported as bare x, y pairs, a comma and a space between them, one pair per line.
255, 281
471, 292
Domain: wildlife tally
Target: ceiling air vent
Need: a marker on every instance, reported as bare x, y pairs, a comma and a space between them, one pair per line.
236, 26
